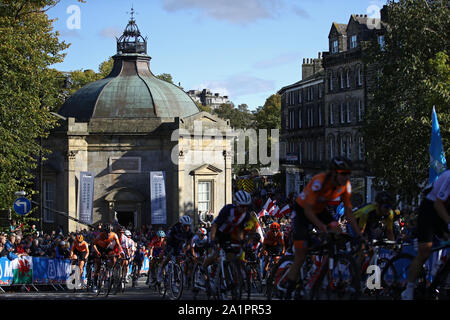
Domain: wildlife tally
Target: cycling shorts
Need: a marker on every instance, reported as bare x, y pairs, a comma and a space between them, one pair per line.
81, 255
274, 250
302, 226
429, 223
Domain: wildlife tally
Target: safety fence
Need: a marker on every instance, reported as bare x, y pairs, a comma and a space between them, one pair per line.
35, 271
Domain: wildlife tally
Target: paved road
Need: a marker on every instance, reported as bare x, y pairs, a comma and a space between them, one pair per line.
141, 292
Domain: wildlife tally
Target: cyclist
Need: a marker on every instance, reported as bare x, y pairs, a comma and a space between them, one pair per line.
252, 247
232, 217
433, 219
371, 216
138, 260
273, 244
80, 251
128, 247
156, 251
178, 236
311, 210
199, 244
106, 244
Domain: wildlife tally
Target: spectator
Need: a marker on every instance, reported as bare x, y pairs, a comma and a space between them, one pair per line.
11, 247
3, 251
35, 250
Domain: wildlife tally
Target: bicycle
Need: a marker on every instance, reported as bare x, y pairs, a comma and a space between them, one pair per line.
253, 279
172, 278
104, 278
226, 274
199, 279
329, 271
394, 277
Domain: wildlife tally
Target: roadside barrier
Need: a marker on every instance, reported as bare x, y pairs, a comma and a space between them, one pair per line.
35, 271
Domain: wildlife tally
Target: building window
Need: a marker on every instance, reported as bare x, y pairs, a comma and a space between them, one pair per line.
287, 98
331, 147
358, 76
341, 75
381, 42
330, 81
204, 196
331, 113
342, 114
345, 146
320, 91
349, 116
320, 151
299, 96
335, 46
49, 201
360, 110
360, 148
300, 152
299, 118
291, 119
348, 78
319, 109
353, 42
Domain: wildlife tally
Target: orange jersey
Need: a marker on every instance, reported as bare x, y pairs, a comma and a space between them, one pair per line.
273, 239
319, 195
81, 247
104, 242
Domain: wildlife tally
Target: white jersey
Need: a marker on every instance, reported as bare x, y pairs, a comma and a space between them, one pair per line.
441, 188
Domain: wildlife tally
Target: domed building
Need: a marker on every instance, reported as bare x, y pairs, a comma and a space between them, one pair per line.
134, 149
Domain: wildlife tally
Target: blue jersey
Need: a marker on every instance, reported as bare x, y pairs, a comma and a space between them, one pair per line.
177, 236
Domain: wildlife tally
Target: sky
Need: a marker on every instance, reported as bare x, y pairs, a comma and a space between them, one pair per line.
245, 49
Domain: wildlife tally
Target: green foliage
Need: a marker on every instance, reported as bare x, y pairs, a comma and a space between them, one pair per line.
414, 77
29, 90
202, 107
269, 116
240, 117
166, 77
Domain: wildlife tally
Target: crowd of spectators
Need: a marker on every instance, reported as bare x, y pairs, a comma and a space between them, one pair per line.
19, 242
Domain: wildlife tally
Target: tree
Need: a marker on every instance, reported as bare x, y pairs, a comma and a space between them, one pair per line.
412, 76
105, 68
240, 117
166, 77
269, 116
202, 107
30, 90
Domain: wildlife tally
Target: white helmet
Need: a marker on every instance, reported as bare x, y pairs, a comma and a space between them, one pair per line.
242, 198
203, 231
128, 233
186, 220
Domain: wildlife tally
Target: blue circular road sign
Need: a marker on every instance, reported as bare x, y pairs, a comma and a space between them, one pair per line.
22, 206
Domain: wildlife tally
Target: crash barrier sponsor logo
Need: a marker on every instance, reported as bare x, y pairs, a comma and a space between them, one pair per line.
42, 271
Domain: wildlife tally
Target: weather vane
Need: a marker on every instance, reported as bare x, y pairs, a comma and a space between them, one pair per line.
132, 13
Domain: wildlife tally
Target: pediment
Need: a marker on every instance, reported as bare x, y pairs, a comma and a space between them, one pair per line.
206, 169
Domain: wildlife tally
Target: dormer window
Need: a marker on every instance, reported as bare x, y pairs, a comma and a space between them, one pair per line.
353, 42
335, 46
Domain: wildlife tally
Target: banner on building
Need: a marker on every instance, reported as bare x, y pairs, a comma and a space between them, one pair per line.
158, 197
86, 197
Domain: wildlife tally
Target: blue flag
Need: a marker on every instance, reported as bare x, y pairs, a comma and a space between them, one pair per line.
438, 164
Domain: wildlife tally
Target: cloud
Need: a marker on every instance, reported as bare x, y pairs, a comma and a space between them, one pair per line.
301, 12
239, 85
69, 33
110, 32
280, 60
233, 11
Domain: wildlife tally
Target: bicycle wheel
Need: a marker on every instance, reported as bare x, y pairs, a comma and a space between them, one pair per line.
117, 278
199, 283
394, 275
176, 281
275, 284
441, 284
342, 279
235, 280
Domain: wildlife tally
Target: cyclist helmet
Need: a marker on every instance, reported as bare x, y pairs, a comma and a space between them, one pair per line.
79, 237
275, 226
161, 234
186, 220
128, 233
384, 197
340, 163
242, 198
203, 231
106, 228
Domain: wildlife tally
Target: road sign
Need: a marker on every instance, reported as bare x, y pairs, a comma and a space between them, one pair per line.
22, 206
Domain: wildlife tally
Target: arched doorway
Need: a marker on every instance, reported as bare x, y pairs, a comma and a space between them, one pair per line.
125, 205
